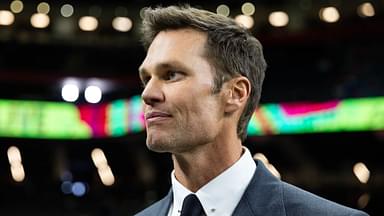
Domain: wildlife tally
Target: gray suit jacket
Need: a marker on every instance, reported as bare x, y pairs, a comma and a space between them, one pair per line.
268, 196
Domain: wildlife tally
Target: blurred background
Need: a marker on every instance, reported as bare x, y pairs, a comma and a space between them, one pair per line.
71, 131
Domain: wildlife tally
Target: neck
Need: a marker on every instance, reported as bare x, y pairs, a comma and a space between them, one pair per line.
195, 168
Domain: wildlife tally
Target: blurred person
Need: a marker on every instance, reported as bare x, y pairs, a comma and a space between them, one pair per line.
202, 79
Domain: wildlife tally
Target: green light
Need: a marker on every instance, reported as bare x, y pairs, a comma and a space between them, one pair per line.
31, 119
117, 114
365, 114
137, 123
35, 119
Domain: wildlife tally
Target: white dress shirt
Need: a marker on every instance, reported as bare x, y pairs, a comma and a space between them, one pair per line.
220, 196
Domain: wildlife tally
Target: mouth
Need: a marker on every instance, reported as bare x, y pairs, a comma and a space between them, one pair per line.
156, 116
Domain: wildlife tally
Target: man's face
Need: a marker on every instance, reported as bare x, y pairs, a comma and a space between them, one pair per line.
181, 111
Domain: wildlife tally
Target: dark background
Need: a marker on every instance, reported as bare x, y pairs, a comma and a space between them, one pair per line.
309, 60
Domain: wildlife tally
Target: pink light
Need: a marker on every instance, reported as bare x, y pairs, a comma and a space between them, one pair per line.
308, 108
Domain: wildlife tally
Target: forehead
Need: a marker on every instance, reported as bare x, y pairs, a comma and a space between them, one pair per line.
181, 38
182, 45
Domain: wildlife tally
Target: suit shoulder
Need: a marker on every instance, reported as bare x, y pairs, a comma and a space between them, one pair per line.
300, 202
150, 210
160, 207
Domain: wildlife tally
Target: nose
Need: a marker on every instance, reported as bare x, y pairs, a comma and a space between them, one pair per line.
152, 92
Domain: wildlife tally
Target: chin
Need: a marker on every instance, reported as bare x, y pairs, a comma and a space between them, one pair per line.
158, 146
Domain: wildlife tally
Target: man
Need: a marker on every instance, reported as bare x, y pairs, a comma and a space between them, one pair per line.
202, 76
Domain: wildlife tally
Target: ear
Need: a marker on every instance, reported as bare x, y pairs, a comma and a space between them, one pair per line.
237, 94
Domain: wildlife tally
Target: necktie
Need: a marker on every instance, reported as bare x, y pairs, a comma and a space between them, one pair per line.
192, 206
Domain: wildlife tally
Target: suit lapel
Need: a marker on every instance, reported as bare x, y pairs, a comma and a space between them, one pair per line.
263, 196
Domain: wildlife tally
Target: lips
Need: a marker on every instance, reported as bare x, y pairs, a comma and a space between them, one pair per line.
156, 115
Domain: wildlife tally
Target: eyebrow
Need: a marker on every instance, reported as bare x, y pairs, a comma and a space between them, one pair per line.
142, 72
164, 65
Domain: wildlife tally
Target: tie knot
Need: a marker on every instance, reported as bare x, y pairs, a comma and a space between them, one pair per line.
192, 206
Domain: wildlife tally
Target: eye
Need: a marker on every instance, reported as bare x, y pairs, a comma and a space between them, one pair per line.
145, 80
172, 75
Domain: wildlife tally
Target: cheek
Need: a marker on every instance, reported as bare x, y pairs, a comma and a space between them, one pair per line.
205, 113
193, 100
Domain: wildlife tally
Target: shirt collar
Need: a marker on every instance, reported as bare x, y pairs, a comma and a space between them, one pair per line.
221, 195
